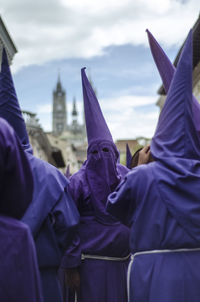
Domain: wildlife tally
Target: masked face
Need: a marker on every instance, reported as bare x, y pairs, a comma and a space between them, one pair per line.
102, 176
102, 158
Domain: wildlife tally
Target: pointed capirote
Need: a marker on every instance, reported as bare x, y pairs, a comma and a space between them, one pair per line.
128, 157
67, 173
96, 125
9, 105
164, 65
176, 135
167, 70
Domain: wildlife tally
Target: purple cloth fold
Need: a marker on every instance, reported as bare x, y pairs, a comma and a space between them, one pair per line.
128, 157
15, 174
95, 123
167, 70
161, 201
19, 277
52, 214
99, 233
9, 105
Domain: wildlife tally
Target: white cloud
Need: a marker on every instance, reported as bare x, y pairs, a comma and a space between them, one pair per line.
126, 101
55, 29
44, 109
121, 114
127, 122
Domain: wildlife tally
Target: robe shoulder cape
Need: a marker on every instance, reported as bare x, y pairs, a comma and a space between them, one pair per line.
52, 212
154, 201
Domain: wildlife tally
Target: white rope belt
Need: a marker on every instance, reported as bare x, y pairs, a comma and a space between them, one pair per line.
149, 253
97, 257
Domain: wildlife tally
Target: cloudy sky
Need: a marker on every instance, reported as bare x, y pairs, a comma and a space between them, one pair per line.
108, 37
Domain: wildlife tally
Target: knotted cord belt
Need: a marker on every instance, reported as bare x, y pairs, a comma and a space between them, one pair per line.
97, 257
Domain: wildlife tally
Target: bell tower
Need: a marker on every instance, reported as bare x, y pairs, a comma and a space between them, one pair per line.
59, 109
75, 125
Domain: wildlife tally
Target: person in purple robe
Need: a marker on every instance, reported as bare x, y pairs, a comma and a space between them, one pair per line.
161, 202
19, 274
52, 215
98, 258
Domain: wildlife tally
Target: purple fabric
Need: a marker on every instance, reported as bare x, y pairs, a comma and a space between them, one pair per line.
103, 281
167, 70
94, 236
19, 277
52, 215
161, 201
139, 203
15, 176
97, 238
102, 154
9, 106
95, 123
67, 173
128, 157
175, 134
102, 176
99, 233
47, 194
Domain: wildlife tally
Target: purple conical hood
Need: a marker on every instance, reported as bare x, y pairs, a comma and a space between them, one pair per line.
164, 65
128, 157
176, 135
96, 126
167, 70
67, 173
9, 105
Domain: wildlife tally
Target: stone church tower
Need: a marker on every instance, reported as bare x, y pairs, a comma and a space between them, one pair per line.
59, 109
74, 127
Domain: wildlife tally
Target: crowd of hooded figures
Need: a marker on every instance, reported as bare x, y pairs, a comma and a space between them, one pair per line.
108, 233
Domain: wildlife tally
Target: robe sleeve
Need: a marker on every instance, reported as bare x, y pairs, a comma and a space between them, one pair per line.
65, 219
72, 256
122, 202
15, 174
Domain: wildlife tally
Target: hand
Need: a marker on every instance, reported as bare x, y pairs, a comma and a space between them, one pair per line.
144, 156
72, 278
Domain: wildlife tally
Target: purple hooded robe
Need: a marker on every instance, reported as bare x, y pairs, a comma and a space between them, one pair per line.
52, 215
161, 202
19, 274
100, 235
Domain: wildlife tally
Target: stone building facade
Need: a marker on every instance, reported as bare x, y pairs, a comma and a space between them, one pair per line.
71, 136
59, 117
6, 42
42, 147
74, 131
